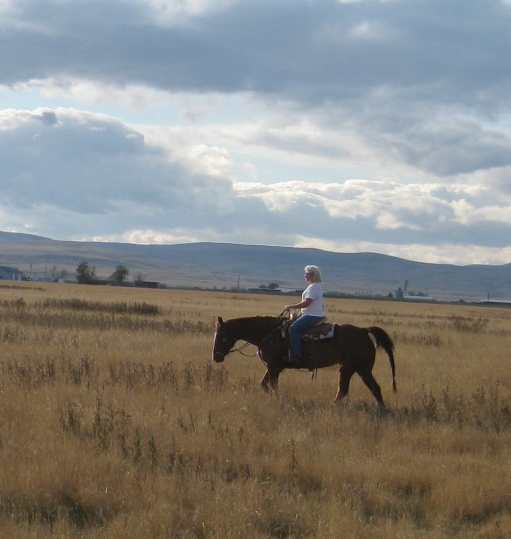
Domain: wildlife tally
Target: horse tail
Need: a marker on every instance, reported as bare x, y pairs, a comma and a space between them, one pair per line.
384, 341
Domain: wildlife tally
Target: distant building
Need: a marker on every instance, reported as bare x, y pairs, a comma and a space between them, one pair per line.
148, 284
11, 274
495, 301
266, 290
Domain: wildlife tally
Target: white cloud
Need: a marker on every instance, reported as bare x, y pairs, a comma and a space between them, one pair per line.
94, 164
131, 97
168, 10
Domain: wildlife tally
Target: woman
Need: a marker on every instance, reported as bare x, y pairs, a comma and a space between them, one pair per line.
311, 311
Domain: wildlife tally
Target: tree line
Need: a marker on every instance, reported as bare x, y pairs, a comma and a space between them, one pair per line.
86, 274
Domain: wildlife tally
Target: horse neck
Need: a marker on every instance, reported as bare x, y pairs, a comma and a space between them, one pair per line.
255, 329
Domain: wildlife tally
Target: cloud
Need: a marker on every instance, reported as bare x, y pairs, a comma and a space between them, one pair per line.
92, 164
310, 52
359, 208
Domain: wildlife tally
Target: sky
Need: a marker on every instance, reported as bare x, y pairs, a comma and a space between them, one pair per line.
346, 125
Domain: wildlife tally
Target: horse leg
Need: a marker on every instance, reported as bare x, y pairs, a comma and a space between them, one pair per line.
345, 374
274, 380
265, 381
374, 388
270, 380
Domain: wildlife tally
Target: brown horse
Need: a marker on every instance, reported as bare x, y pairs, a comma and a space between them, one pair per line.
352, 347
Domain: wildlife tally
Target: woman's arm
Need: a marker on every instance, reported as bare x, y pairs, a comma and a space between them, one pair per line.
302, 305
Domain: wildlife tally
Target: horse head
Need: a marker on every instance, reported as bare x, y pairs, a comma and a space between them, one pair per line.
223, 342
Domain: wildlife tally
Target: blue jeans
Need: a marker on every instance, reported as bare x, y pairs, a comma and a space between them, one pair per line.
296, 329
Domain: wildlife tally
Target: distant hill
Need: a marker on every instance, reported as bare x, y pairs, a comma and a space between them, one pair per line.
222, 265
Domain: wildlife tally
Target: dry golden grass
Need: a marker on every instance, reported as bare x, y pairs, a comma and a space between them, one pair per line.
114, 423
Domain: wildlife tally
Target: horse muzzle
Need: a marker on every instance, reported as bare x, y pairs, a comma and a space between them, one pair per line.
218, 357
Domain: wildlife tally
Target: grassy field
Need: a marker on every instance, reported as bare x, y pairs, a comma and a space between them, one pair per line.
115, 423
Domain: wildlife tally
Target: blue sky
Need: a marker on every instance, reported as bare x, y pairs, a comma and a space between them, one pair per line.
368, 125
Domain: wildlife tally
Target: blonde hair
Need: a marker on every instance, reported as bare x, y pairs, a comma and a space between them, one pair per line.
315, 271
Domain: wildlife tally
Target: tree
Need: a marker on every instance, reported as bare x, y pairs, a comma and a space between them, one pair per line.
120, 274
85, 273
139, 278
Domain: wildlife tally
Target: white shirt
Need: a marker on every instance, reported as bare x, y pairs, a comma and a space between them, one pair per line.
314, 292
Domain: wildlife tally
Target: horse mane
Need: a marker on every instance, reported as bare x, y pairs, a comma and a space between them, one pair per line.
254, 318
253, 321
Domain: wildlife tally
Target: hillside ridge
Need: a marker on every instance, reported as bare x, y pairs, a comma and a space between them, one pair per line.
225, 265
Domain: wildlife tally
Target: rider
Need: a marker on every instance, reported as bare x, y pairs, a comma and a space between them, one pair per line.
311, 312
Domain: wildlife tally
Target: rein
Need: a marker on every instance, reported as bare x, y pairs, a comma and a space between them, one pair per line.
240, 350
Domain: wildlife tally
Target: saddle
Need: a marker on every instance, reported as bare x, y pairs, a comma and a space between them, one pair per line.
319, 331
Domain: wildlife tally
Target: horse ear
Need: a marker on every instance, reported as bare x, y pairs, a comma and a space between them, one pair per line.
220, 321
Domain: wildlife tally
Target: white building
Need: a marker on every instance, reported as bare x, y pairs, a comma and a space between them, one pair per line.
12, 274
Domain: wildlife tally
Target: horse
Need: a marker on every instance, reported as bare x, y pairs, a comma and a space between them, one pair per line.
353, 348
